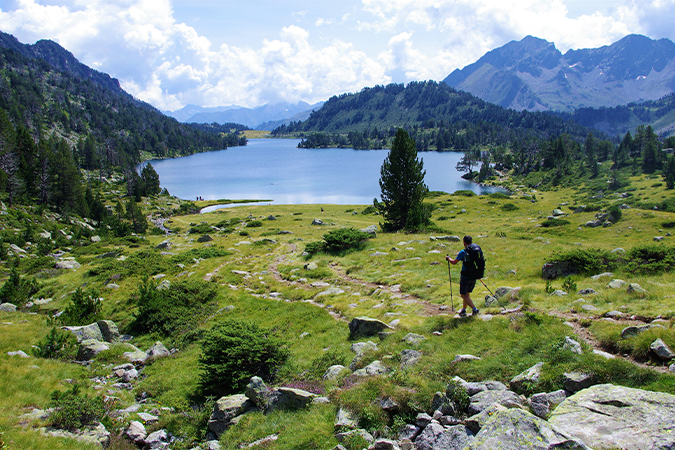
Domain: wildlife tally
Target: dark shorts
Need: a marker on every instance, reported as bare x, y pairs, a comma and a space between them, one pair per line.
466, 285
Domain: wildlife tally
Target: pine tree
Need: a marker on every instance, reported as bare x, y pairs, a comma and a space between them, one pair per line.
403, 188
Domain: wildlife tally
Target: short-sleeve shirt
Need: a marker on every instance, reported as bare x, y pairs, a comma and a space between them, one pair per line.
460, 257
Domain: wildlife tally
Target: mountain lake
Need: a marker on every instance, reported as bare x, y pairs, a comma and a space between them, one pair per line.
277, 170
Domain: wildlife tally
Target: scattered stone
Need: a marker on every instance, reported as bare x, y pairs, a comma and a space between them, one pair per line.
333, 372
371, 230
379, 254
365, 326
148, 418
576, 381
157, 351
658, 238
412, 338
90, 348
603, 354
164, 245
461, 358
613, 314
559, 293
436, 437
526, 379
67, 264
662, 350
484, 399
409, 358
19, 353
345, 419
636, 288
374, 368
317, 222
8, 307
92, 435
589, 308
616, 284
572, 345
205, 238
136, 432
634, 330
330, 291
226, 409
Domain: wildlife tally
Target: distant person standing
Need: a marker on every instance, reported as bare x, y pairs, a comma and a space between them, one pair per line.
468, 275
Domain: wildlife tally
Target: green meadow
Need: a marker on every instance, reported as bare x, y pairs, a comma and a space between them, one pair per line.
256, 270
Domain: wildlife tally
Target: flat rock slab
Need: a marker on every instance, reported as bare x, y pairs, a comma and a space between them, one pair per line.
608, 416
484, 399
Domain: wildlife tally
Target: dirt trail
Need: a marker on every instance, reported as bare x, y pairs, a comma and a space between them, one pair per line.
430, 309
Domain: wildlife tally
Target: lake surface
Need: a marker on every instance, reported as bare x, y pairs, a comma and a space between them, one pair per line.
276, 170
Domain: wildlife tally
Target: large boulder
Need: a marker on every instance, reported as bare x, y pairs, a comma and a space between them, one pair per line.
553, 270
109, 330
8, 307
91, 331
285, 398
226, 410
136, 432
157, 351
608, 416
437, 437
365, 326
90, 348
484, 399
135, 355
515, 429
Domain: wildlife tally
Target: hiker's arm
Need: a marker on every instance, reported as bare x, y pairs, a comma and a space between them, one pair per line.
451, 261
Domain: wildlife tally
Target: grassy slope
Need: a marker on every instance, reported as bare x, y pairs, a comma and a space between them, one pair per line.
507, 345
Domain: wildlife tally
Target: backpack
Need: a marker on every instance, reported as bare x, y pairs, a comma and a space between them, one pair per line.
474, 263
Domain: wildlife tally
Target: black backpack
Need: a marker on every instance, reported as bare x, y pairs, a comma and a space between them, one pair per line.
474, 262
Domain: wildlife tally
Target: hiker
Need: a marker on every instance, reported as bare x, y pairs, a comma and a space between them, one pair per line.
466, 282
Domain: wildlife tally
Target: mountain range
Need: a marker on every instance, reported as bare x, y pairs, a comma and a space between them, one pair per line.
532, 74
266, 117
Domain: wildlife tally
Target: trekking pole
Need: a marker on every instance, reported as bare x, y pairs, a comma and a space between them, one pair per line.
452, 303
493, 295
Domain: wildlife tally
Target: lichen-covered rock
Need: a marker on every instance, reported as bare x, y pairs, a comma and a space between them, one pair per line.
136, 432
409, 358
515, 429
608, 416
661, 350
484, 399
91, 331
437, 437
109, 330
345, 419
285, 398
135, 355
576, 381
333, 372
157, 351
226, 409
90, 348
366, 326
374, 368
526, 379
96, 435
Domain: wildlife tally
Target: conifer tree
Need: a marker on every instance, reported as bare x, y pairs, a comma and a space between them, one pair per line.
403, 188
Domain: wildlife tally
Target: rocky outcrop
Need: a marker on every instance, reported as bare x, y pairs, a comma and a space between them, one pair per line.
526, 379
608, 416
225, 412
365, 326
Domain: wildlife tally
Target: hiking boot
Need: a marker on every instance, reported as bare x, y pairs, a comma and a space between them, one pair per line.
475, 311
462, 313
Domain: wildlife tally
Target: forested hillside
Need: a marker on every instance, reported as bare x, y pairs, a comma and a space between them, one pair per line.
437, 116
50, 102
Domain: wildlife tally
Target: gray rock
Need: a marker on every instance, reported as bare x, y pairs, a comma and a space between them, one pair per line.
539, 405
164, 245
365, 326
226, 409
341, 437
526, 379
317, 222
576, 381
374, 368
441, 403
593, 223
635, 288
613, 314
19, 353
506, 292
447, 238
661, 350
271, 217
163, 285
285, 398
616, 284
345, 419
136, 432
8, 307
205, 238
95, 239
92, 435
634, 330
484, 399
148, 418
476, 422
559, 293
109, 330
603, 354
473, 388
658, 238
461, 358
379, 254
330, 291
371, 230
555, 398
409, 358
360, 347
91, 331
437, 437
572, 345
90, 348
515, 429
135, 355
129, 375
587, 291
608, 416
311, 266
589, 308
157, 351
333, 372
258, 392
67, 264
409, 432
384, 444
389, 405
602, 275
412, 338
490, 300
158, 439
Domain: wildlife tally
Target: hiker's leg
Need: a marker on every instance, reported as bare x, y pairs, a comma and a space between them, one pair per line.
466, 301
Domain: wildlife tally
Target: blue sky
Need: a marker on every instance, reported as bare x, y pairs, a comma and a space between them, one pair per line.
252, 52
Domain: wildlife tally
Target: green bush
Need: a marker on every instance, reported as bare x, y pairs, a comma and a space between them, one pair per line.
499, 195
588, 261
58, 344
17, 290
175, 310
668, 224
202, 228
314, 247
615, 213
650, 258
554, 223
459, 396
84, 309
369, 210
73, 410
509, 207
344, 239
233, 351
569, 285
464, 193
254, 224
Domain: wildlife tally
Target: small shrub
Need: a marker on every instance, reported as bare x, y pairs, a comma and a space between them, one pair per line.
668, 224
16, 290
509, 207
202, 228
344, 239
657, 185
73, 410
369, 210
243, 233
615, 213
58, 344
588, 261
459, 396
569, 285
464, 193
554, 223
499, 195
254, 224
84, 309
314, 247
548, 288
233, 351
